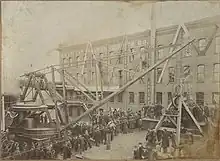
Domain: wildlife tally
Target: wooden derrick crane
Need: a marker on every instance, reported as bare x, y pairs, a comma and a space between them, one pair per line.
128, 84
50, 87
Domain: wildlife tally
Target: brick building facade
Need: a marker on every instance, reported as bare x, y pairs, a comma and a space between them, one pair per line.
128, 56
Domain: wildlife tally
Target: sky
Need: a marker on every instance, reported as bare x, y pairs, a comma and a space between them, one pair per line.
33, 30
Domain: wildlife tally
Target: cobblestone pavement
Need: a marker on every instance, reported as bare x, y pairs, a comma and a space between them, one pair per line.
121, 147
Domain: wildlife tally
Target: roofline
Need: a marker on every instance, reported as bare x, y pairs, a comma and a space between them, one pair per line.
204, 22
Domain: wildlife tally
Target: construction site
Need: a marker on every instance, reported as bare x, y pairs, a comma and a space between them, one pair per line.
126, 90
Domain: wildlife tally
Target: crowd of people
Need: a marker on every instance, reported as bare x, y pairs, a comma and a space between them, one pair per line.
102, 129
162, 144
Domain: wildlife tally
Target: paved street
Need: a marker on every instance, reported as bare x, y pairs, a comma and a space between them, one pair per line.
121, 147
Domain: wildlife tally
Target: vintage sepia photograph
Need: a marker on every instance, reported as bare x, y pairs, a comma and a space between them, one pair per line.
110, 80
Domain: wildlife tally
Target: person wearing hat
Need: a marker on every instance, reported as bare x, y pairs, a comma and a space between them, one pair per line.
140, 150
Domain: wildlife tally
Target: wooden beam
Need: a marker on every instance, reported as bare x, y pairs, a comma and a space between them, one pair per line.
54, 100
153, 53
171, 119
64, 93
193, 118
171, 50
102, 102
26, 87
179, 120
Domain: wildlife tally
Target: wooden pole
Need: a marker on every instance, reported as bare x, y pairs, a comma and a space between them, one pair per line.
64, 94
153, 53
56, 110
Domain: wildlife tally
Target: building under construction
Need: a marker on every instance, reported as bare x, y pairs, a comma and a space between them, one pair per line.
107, 64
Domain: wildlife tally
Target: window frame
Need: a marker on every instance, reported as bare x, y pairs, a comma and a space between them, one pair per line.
169, 75
141, 97
216, 71
160, 52
120, 97
161, 94
200, 73
131, 97
202, 46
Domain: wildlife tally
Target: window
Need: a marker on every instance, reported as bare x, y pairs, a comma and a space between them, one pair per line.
186, 70
77, 61
171, 74
160, 52
217, 45
131, 57
143, 64
120, 97
130, 74
169, 97
70, 61
201, 73
202, 44
216, 72
131, 97
120, 77
159, 71
159, 97
200, 98
112, 99
216, 97
120, 73
141, 97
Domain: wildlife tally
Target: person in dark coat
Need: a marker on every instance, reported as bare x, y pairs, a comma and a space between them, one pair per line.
140, 151
158, 111
136, 153
97, 136
165, 141
66, 151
